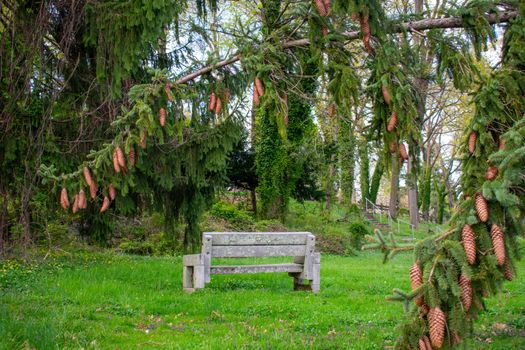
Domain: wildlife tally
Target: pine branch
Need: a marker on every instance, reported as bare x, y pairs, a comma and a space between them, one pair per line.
416, 26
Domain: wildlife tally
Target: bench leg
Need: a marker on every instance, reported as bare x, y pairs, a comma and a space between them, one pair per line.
193, 273
198, 276
316, 271
187, 279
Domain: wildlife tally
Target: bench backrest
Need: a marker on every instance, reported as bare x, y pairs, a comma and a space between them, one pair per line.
256, 244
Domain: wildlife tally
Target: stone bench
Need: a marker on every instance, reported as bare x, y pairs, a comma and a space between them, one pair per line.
305, 268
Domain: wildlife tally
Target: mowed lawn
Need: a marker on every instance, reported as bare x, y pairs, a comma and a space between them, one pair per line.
107, 301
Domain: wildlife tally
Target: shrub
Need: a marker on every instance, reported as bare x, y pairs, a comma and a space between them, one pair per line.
358, 231
236, 218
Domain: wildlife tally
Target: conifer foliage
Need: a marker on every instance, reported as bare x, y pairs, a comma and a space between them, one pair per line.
473, 258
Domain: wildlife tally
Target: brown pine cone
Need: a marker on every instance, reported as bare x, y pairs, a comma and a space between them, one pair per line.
87, 176
469, 243
492, 173
259, 86
423, 310
403, 151
392, 123
82, 202
327, 6
416, 279
256, 98
116, 165
507, 271
120, 157
143, 138
319, 4
105, 204
64, 200
498, 243
112, 192
132, 157
482, 208
501, 144
75, 204
218, 106
436, 324
213, 101
472, 142
386, 95
93, 190
167, 89
424, 343
162, 116
365, 29
466, 292
393, 147
324, 30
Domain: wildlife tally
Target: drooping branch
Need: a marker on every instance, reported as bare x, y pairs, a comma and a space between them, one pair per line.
421, 25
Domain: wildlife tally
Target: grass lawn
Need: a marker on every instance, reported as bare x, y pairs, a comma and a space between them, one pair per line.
108, 301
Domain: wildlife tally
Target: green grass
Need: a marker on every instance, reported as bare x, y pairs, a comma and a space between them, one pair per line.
108, 301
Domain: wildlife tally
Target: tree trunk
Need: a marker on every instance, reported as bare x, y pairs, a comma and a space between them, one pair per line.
364, 171
253, 197
394, 188
376, 179
412, 194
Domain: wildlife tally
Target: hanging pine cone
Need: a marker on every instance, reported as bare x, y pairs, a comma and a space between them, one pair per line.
105, 204
112, 192
324, 30
416, 279
120, 157
424, 343
87, 176
436, 324
386, 95
466, 292
472, 142
82, 202
403, 153
259, 86
327, 6
75, 204
393, 147
365, 29
162, 116
392, 123
423, 310
501, 144
482, 208
132, 157
116, 164
64, 200
256, 98
498, 243
167, 89
93, 190
469, 243
213, 101
507, 271
218, 106
492, 173
143, 138
319, 4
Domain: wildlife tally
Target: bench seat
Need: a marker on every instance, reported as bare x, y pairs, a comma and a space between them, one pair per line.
268, 268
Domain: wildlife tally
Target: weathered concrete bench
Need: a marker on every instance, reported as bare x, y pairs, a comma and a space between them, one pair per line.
305, 269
